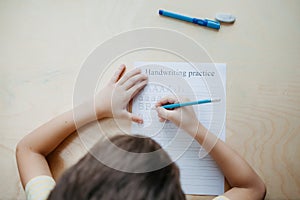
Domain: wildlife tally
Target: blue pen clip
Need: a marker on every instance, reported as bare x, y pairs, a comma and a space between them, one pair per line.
213, 24
207, 22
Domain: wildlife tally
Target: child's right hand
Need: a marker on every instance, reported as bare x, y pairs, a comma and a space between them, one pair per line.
183, 117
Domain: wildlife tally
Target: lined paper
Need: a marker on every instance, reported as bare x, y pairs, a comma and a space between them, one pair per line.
199, 172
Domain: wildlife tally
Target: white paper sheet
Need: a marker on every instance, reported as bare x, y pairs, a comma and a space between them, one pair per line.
195, 81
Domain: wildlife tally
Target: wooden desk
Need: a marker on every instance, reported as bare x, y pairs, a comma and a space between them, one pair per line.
44, 44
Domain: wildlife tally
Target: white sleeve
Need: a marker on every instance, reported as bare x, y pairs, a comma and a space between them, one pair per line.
39, 188
221, 198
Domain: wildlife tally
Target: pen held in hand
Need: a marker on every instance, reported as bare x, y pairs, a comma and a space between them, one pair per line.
177, 105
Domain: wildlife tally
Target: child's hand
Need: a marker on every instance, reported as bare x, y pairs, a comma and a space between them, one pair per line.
112, 101
183, 117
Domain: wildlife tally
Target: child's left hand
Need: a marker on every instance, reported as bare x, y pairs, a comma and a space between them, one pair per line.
112, 100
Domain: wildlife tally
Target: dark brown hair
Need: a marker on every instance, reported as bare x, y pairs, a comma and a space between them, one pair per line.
91, 179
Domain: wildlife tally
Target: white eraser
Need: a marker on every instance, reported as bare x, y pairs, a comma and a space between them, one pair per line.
225, 17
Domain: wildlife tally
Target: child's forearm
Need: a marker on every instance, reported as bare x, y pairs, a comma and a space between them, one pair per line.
236, 170
47, 137
35, 146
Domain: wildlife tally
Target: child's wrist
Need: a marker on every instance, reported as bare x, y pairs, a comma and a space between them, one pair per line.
102, 111
193, 128
93, 110
84, 113
201, 133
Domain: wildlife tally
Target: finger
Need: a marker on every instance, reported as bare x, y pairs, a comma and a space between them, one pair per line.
134, 80
128, 75
162, 113
118, 74
135, 118
161, 119
166, 100
137, 88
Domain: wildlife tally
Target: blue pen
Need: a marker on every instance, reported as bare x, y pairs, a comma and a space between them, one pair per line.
177, 105
201, 22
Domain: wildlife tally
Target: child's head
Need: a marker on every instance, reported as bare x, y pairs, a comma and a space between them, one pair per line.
91, 179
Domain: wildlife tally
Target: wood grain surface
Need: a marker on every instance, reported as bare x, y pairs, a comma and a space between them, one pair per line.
44, 43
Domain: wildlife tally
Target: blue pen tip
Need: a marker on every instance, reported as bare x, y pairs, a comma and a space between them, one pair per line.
160, 12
